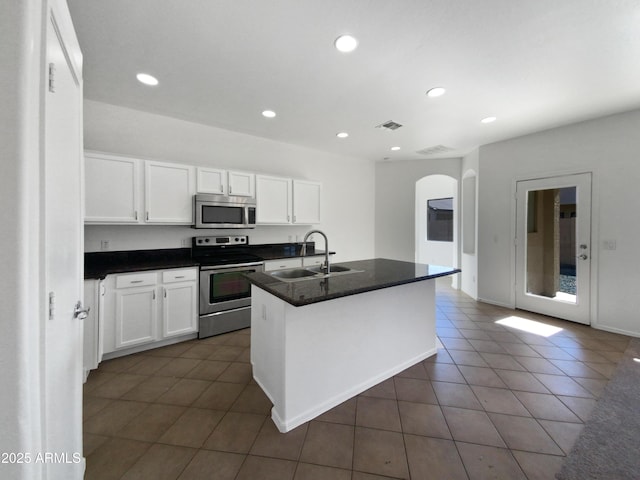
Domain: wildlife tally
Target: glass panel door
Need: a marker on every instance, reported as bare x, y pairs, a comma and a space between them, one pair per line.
552, 246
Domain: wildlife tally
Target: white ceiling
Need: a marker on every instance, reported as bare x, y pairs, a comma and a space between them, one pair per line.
534, 64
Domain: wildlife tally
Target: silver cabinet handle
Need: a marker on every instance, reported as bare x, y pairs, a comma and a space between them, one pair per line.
147, 216
135, 214
136, 281
230, 189
179, 276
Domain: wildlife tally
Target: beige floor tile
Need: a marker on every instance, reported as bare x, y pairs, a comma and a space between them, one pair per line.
91, 442
522, 381
462, 357
444, 372
306, 471
489, 463
415, 371
415, 390
237, 373
472, 426
150, 389
263, 468
547, 407
227, 353
113, 417
564, 434
538, 466
208, 370
525, 434
160, 462
379, 413
563, 385
328, 444
178, 367
121, 364
92, 405
236, 432
184, 392
208, 465
252, 400
433, 458
502, 361
538, 365
456, 395
151, 423
149, 365
113, 458
219, 396
380, 452
118, 386
385, 389
423, 419
499, 400
582, 407
192, 428
344, 413
199, 350
271, 443
481, 376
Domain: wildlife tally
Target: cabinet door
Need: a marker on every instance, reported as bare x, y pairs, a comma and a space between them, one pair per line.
136, 316
179, 309
211, 180
242, 184
273, 200
91, 350
306, 202
111, 189
169, 190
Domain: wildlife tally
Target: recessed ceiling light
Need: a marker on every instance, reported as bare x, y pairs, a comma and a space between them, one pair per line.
269, 113
436, 92
147, 79
342, 135
395, 148
346, 43
488, 120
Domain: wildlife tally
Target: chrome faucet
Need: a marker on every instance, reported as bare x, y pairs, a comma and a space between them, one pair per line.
325, 266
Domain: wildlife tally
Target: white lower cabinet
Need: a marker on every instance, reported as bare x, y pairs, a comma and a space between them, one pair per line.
92, 300
144, 308
282, 264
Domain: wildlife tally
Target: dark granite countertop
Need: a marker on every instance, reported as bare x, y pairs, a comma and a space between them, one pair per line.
373, 274
98, 265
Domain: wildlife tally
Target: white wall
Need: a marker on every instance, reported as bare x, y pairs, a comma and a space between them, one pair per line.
348, 183
469, 261
435, 253
21, 315
395, 203
610, 148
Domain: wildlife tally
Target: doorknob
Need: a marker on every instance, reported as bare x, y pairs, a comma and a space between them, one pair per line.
583, 257
79, 312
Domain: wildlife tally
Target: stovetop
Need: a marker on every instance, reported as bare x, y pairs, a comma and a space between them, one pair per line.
227, 250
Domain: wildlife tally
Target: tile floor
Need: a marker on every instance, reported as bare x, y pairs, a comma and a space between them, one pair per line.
496, 402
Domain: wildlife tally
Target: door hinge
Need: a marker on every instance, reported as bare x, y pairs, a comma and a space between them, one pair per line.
52, 72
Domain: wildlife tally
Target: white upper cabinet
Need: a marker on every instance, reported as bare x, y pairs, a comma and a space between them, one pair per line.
169, 190
111, 189
306, 202
285, 201
242, 184
211, 180
273, 200
225, 182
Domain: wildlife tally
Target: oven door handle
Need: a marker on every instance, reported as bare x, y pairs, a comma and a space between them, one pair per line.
227, 267
215, 314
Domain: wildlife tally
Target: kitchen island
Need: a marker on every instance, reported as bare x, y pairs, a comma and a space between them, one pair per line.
318, 341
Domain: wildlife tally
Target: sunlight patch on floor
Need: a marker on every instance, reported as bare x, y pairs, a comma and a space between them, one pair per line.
530, 326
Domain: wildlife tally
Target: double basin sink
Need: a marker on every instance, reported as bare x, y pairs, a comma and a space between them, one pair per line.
297, 274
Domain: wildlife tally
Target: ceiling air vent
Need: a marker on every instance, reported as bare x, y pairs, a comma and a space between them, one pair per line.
390, 125
435, 150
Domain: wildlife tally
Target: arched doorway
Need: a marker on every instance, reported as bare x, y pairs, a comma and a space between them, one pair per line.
436, 222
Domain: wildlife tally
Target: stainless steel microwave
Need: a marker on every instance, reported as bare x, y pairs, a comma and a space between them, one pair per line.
221, 211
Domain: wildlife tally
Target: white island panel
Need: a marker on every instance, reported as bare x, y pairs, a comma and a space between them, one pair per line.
309, 359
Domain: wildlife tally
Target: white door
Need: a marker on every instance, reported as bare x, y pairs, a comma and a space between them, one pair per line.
553, 246
63, 248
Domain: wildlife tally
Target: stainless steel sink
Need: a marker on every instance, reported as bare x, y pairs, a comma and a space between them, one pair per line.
293, 273
332, 269
297, 274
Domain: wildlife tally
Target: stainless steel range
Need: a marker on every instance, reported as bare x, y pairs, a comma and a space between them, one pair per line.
225, 294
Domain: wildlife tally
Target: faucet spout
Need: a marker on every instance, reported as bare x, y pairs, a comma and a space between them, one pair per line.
325, 266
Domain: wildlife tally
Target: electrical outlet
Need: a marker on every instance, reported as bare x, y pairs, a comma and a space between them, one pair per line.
609, 245
104, 245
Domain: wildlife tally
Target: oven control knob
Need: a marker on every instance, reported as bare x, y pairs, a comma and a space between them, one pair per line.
206, 240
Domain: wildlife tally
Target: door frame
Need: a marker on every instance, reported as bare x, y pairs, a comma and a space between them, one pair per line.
595, 240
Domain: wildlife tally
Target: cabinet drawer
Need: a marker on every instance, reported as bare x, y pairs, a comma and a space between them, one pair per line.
282, 264
183, 275
136, 280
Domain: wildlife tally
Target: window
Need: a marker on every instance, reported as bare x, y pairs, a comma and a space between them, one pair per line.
440, 220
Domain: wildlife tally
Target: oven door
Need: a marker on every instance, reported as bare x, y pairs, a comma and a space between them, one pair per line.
224, 287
